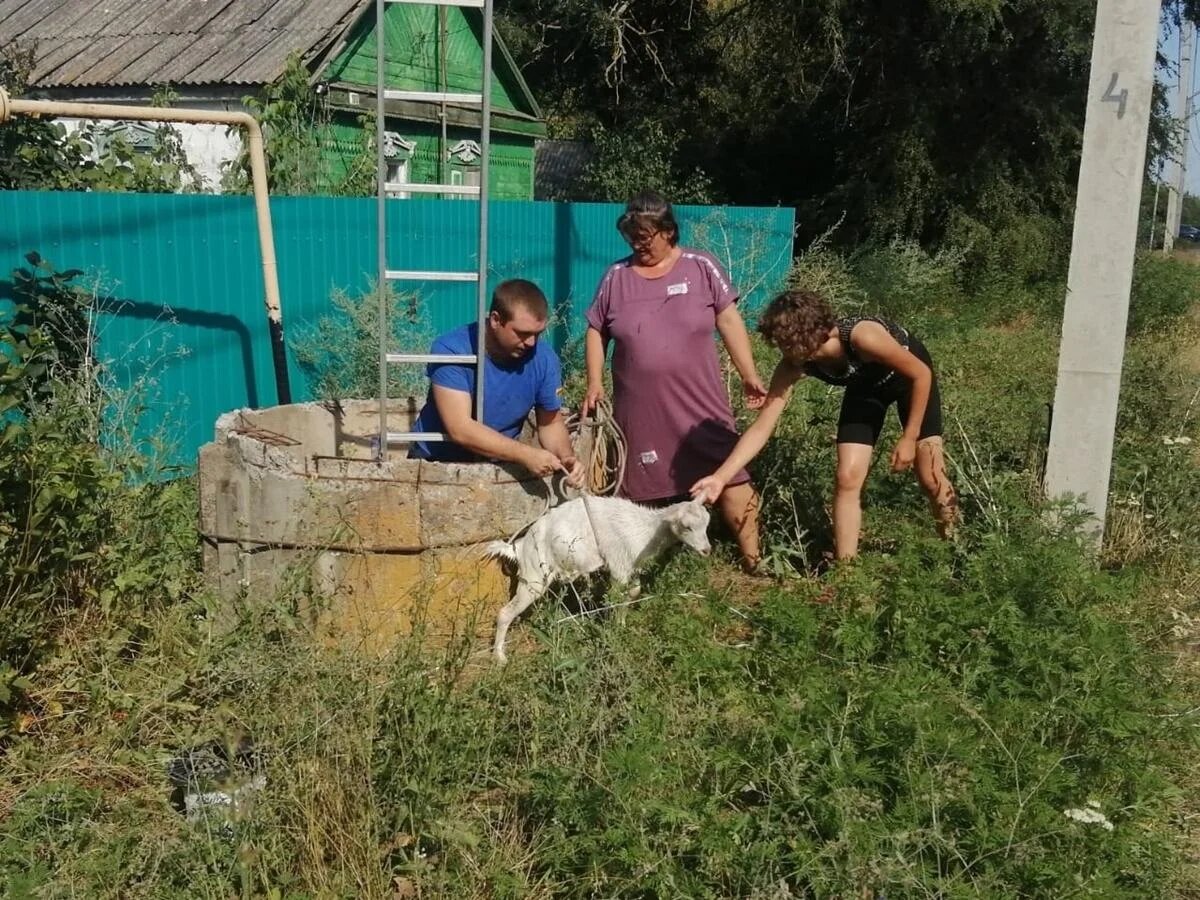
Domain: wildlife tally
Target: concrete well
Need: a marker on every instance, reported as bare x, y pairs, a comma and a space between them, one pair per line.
291, 496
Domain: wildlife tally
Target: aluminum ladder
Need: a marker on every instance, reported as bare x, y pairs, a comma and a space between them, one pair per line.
482, 101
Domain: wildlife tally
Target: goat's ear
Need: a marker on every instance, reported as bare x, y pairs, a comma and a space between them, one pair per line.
696, 511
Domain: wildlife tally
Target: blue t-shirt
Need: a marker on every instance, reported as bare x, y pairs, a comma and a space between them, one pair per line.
510, 392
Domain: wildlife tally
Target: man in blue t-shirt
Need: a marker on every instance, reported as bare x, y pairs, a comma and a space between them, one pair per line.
520, 374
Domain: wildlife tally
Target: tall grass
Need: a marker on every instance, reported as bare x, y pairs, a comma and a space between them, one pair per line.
998, 716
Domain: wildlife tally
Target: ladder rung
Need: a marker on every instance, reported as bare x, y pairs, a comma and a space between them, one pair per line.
404, 275
407, 437
431, 357
435, 97
478, 4
470, 190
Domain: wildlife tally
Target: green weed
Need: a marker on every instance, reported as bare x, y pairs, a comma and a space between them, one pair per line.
339, 352
996, 716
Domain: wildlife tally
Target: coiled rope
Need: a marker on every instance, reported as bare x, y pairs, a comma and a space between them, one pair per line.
601, 446
600, 443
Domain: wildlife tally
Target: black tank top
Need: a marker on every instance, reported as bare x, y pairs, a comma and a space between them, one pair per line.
858, 372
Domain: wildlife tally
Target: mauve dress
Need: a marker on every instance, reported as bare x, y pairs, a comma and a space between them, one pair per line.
668, 396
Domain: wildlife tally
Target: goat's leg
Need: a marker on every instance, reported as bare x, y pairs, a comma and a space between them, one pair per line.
526, 593
632, 591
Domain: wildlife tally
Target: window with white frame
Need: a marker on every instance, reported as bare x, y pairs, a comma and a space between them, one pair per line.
397, 153
397, 173
464, 158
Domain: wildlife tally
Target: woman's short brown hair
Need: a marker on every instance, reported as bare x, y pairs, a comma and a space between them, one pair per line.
648, 211
797, 322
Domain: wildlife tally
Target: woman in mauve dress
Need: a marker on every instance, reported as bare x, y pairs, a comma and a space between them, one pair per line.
660, 306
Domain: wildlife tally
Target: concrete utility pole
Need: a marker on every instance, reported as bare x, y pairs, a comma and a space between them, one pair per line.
1183, 116
1102, 248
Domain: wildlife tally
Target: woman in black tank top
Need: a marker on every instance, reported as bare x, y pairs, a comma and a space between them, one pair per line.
879, 364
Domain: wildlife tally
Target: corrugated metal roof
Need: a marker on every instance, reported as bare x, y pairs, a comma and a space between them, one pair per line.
90, 43
558, 167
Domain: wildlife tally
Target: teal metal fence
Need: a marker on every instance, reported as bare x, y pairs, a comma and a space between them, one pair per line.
179, 282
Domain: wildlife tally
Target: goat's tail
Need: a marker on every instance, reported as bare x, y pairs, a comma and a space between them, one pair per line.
501, 549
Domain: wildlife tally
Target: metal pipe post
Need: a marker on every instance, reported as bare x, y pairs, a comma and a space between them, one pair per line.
485, 145
382, 285
258, 173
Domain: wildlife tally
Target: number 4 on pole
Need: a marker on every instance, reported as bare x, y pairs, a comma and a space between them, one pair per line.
1119, 99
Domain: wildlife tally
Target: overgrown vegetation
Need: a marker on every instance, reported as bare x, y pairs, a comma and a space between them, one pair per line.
303, 156
98, 156
992, 717
339, 352
77, 538
800, 104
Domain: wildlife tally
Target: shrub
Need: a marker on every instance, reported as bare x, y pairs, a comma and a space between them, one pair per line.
1164, 289
643, 157
53, 482
902, 280
78, 534
1006, 240
339, 353
829, 274
40, 154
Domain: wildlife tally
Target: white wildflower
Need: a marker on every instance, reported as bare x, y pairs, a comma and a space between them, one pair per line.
1089, 816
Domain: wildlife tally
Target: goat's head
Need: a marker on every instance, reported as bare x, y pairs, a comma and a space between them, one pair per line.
688, 521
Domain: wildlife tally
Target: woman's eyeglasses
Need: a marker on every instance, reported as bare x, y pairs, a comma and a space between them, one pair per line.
641, 238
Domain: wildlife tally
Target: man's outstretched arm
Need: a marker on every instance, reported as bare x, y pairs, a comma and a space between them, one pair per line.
553, 435
454, 408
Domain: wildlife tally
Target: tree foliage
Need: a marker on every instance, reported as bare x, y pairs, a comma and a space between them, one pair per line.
297, 125
924, 119
642, 157
43, 155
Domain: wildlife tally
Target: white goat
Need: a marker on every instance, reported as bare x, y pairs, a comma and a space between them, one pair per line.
587, 534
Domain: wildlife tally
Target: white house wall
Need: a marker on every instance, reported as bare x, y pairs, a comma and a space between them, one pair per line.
206, 146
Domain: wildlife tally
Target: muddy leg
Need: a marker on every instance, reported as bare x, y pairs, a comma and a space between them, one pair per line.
739, 507
931, 473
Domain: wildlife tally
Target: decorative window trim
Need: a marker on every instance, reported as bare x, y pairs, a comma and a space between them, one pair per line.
140, 137
396, 146
465, 152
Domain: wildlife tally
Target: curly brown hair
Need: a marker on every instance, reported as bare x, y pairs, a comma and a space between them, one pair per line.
797, 323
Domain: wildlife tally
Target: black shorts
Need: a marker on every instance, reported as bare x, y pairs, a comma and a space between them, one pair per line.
863, 408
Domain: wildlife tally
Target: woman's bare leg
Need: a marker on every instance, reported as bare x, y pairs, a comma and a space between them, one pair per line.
931, 473
739, 507
853, 464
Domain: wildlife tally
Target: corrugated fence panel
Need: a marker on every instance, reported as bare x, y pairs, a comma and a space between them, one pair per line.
180, 280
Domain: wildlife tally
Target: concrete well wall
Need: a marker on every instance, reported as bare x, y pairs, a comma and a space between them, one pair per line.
291, 497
